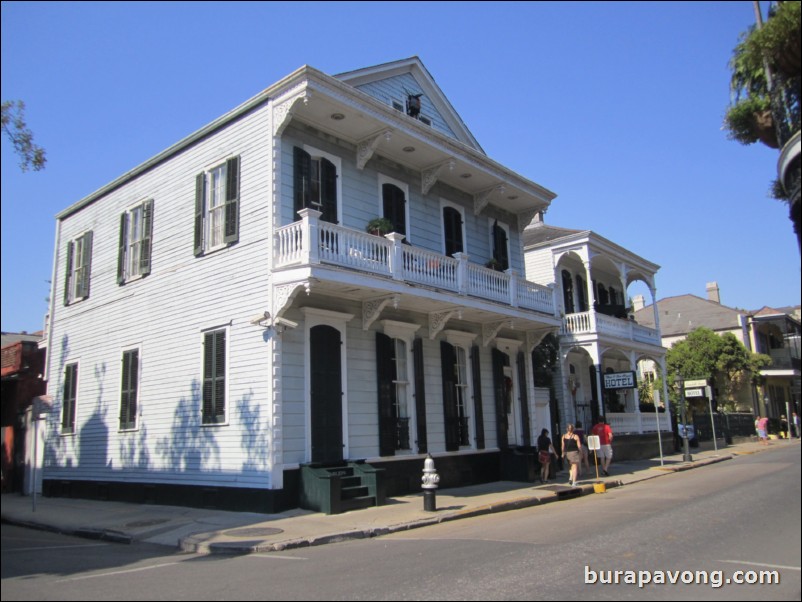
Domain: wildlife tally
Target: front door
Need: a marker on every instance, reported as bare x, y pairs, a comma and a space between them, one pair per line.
326, 394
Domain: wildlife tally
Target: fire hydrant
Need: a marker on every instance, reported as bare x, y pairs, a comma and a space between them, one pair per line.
430, 480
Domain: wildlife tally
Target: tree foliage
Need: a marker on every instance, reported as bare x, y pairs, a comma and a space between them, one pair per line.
723, 360
31, 155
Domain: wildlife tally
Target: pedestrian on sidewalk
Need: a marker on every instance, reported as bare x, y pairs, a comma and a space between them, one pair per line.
605, 434
784, 427
544, 451
762, 425
583, 448
571, 451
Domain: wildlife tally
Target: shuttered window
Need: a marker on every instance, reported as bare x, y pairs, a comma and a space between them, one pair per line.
452, 231
69, 398
455, 396
214, 377
315, 184
501, 251
134, 249
78, 268
217, 195
394, 205
129, 389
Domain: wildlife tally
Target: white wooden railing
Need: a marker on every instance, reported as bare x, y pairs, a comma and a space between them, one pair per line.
591, 322
388, 256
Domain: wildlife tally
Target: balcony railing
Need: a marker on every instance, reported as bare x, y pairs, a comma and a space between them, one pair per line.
590, 322
389, 257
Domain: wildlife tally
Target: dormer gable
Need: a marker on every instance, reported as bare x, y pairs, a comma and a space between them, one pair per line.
407, 86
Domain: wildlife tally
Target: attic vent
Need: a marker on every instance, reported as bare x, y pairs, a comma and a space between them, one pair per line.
398, 106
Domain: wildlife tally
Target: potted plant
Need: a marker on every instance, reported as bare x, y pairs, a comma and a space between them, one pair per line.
495, 264
380, 226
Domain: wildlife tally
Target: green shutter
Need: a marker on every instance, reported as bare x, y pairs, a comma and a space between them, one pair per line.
200, 197
302, 168
420, 396
145, 253
86, 267
69, 394
385, 370
214, 377
231, 233
500, 360
328, 191
477, 397
527, 435
68, 275
129, 389
121, 249
448, 360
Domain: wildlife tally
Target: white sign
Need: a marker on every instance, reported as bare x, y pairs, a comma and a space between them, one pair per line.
620, 380
593, 442
695, 383
694, 393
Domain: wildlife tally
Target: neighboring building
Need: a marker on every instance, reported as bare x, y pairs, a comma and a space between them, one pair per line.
598, 334
770, 331
220, 317
23, 365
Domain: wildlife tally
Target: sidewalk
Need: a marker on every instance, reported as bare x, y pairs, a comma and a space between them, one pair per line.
209, 531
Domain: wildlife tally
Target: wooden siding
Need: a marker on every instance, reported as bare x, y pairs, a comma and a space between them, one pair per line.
396, 89
164, 314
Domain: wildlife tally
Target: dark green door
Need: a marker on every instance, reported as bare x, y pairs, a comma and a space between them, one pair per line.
326, 403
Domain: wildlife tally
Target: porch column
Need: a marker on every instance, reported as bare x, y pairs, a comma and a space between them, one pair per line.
589, 284
633, 365
310, 250
595, 357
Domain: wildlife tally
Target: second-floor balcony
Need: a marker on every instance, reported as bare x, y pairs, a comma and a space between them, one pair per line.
594, 323
314, 242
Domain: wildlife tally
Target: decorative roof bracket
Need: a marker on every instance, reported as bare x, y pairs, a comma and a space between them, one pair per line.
439, 319
372, 308
283, 111
491, 329
430, 176
366, 147
481, 199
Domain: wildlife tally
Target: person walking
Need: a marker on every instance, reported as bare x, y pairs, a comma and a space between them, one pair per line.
571, 451
544, 451
605, 434
763, 429
583, 448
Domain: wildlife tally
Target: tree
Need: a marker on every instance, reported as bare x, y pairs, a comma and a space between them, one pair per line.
722, 360
765, 93
15, 127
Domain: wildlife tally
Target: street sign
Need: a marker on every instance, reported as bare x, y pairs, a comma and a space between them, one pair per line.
620, 380
594, 442
694, 393
696, 383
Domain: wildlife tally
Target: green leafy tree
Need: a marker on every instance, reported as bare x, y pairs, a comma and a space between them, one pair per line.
723, 360
31, 155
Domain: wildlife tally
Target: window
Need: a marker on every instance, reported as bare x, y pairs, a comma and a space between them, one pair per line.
217, 206
69, 398
394, 394
315, 184
452, 230
568, 292
214, 377
501, 252
581, 288
79, 260
129, 390
456, 395
136, 233
394, 204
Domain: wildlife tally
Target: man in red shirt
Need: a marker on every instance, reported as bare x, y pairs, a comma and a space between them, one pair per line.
605, 435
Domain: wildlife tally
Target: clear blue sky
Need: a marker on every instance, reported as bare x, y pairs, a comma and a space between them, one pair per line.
616, 107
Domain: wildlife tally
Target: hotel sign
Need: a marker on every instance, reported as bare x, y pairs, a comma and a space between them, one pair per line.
620, 380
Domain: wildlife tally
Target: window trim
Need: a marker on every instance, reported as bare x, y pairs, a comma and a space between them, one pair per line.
76, 290
72, 407
124, 274
404, 187
224, 419
448, 204
230, 206
130, 426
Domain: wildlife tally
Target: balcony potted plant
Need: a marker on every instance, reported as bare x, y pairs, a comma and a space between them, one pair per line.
379, 226
495, 264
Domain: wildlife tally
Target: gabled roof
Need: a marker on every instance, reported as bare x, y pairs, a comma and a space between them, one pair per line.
682, 314
413, 66
539, 233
